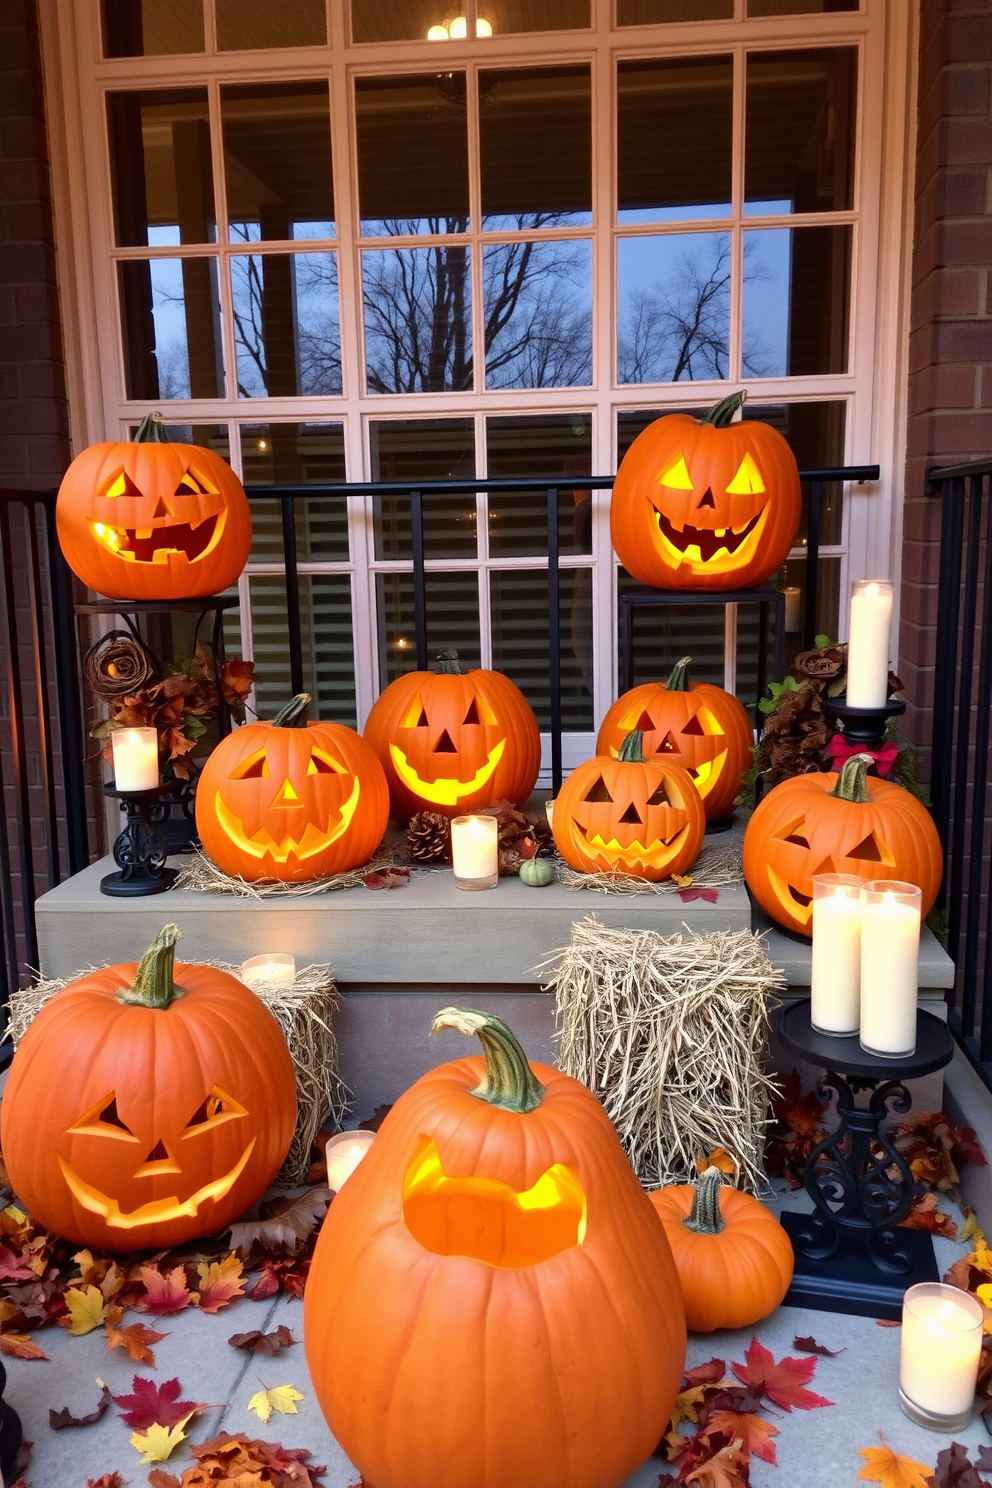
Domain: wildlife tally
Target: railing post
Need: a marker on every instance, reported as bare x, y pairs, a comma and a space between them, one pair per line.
554, 638
812, 564
67, 685
292, 594
945, 662
419, 578
15, 704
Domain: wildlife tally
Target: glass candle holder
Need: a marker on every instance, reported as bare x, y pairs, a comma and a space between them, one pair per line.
135, 752
475, 851
272, 966
835, 990
343, 1153
549, 811
938, 1366
868, 643
890, 953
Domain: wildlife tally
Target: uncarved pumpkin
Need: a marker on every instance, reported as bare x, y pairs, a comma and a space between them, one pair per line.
153, 520
837, 823
696, 725
705, 503
733, 1257
147, 1104
492, 1301
291, 800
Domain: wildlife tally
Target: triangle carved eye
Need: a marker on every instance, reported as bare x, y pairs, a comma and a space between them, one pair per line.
472, 716
694, 726
868, 851
422, 720
109, 1115
660, 797
190, 486
255, 769
598, 792
646, 723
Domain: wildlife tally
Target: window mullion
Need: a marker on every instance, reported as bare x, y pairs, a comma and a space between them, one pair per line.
735, 358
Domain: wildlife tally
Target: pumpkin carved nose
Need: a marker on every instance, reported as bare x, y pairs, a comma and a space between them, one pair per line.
706, 499
162, 509
631, 816
287, 795
444, 744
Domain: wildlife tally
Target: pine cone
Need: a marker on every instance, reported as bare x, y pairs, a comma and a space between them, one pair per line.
429, 836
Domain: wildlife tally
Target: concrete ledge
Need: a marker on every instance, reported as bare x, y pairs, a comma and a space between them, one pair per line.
968, 1102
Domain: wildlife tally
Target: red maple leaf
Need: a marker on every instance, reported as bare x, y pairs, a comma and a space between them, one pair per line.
781, 1383
14, 1267
155, 1405
710, 1373
166, 1292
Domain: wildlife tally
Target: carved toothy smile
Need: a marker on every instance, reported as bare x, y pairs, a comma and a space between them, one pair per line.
632, 852
701, 544
312, 841
445, 791
157, 544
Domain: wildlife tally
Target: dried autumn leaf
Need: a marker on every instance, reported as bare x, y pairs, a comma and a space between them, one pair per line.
724, 1469
20, 1346
86, 1310
247, 1462
890, 1469
14, 1267
286, 1232
107, 1480
60, 1420
718, 1158
810, 1346
782, 1383
281, 1398
257, 1342
925, 1215
164, 1291
158, 1478
387, 878
152, 1404
220, 1283
710, 1373
954, 1470
753, 1432
136, 1339
971, 1229
686, 1407
158, 1443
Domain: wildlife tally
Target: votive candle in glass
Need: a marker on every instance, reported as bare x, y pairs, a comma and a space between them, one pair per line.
343, 1153
549, 811
835, 990
475, 851
272, 966
941, 1345
135, 753
890, 953
868, 643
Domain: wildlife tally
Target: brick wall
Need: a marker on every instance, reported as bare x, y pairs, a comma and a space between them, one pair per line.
950, 381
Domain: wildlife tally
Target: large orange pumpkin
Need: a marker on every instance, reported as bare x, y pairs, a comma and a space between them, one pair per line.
733, 1257
629, 815
829, 823
492, 1302
147, 1104
153, 520
450, 740
705, 503
291, 800
696, 725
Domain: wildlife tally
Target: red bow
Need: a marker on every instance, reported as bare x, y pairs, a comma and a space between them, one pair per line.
840, 749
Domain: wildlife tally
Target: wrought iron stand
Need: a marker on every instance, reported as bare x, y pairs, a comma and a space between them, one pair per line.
850, 1255
140, 851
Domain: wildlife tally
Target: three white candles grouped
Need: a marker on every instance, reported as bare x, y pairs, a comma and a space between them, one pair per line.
866, 943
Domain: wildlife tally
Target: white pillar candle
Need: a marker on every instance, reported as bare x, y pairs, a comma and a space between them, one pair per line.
868, 644
835, 991
343, 1153
475, 851
272, 966
941, 1344
890, 950
135, 758
549, 811
793, 609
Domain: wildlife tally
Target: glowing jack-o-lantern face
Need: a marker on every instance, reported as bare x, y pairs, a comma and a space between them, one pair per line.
452, 740
153, 520
827, 823
705, 504
696, 725
629, 815
489, 1252
291, 800
147, 1106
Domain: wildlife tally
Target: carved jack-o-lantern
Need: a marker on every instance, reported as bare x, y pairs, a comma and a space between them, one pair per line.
705, 504
291, 800
472, 1276
147, 1105
846, 823
451, 740
696, 725
153, 520
629, 815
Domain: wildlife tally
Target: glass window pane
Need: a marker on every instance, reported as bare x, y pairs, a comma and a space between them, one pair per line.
673, 315
798, 7
656, 12
248, 25
535, 146
631, 422
452, 620
538, 308
296, 454
411, 20
328, 645
799, 136
553, 446
815, 433
416, 450
152, 28
664, 634
418, 319
507, 16
412, 154
674, 139
519, 604
170, 318
796, 301
277, 161
161, 168
286, 326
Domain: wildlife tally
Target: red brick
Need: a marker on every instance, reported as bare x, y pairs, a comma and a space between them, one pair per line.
956, 193
29, 222
967, 141
48, 456
985, 396
969, 38
24, 138
30, 343
36, 302
961, 436
943, 387
962, 340
42, 380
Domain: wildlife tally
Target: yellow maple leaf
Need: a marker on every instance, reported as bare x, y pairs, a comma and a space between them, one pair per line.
981, 1257
86, 1309
892, 1469
282, 1399
971, 1229
158, 1443
687, 1403
682, 879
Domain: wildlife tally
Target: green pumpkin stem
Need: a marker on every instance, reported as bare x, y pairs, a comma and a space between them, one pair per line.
704, 1216
151, 430
294, 713
509, 1081
448, 664
153, 984
678, 681
632, 748
721, 414
852, 780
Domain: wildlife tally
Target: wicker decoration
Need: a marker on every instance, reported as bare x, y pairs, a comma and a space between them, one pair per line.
671, 1033
117, 665
429, 837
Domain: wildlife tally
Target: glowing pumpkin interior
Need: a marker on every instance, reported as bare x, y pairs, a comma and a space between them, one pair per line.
157, 529
289, 797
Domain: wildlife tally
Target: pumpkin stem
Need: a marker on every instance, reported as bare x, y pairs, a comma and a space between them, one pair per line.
151, 430
509, 1080
852, 780
632, 748
153, 985
704, 1216
721, 414
448, 664
294, 713
679, 681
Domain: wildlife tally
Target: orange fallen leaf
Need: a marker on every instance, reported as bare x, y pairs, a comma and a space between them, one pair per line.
164, 1291
20, 1346
220, 1283
721, 1470
753, 1432
891, 1469
718, 1158
135, 1338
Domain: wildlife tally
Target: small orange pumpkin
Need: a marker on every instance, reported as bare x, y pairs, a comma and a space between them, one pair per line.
733, 1257
153, 520
696, 725
705, 503
828, 823
291, 800
629, 815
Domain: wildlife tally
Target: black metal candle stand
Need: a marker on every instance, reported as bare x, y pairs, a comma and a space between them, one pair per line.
863, 726
10, 1434
140, 851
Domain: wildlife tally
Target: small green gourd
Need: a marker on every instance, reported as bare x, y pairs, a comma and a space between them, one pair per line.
536, 872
